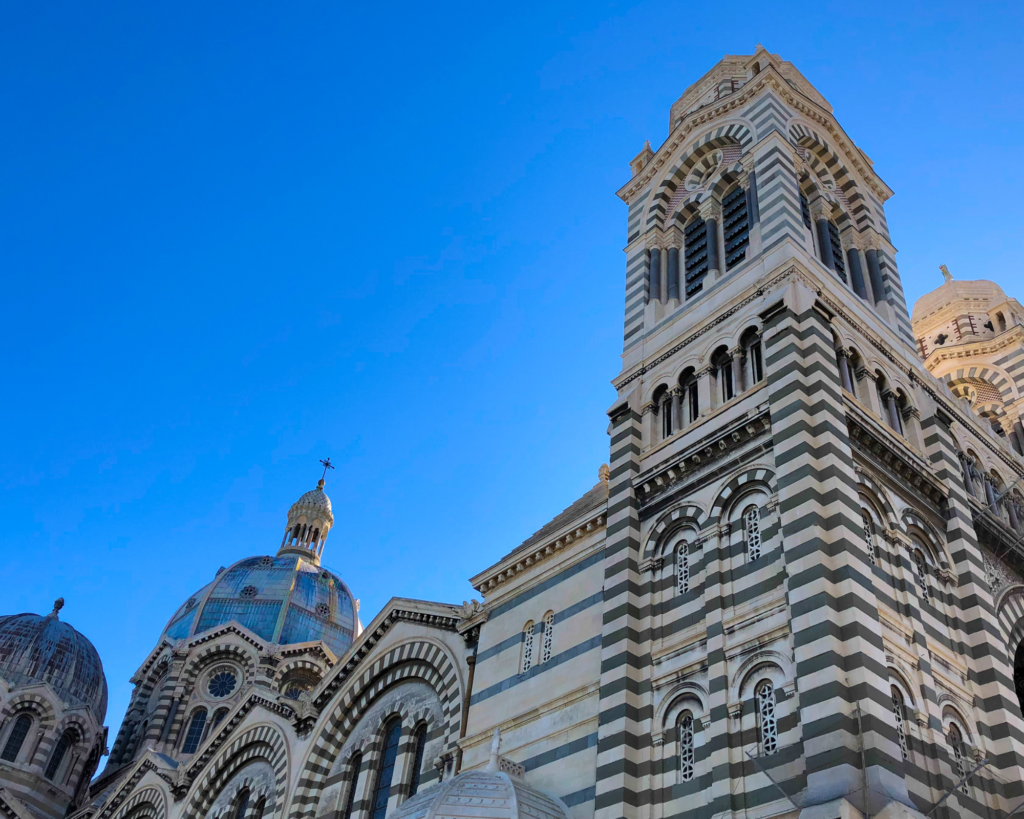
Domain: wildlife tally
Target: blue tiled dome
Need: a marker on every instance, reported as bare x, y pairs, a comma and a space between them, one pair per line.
36, 649
283, 599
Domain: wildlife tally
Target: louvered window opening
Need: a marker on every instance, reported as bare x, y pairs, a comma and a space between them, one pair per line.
837, 251
682, 569
805, 211
735, 227
695, 240
766, 716
901, 731
686, 748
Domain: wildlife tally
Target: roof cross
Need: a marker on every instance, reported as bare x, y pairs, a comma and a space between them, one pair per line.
327, 465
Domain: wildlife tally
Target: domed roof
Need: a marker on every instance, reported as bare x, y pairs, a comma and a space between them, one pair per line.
482, 795
953, 291
496, 792
313, 499
36, 649
284, 599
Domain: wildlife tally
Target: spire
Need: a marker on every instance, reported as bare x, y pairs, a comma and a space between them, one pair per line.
309, 520
945, 273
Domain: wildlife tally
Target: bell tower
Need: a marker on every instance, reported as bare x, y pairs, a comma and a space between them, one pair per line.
769, 380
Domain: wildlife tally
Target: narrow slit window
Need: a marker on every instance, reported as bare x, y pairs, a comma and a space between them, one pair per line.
869, 534
956, 744
527, 659
735, 227
57, 756
353, 782
547, 643
901, 730
695, 242
386, 770
686, 748
752, 531
419, 747
766, 718
682, 569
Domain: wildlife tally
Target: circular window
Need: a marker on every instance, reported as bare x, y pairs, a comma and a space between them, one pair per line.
222, 683
191, 603
294, 691
266, 562
248, 592
323, 610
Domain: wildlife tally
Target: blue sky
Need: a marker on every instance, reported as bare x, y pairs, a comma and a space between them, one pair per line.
240, 237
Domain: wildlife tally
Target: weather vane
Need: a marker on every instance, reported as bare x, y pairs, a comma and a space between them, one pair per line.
327, 465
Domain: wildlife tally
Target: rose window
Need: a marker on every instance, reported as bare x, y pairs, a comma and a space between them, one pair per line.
222, 683
248, 592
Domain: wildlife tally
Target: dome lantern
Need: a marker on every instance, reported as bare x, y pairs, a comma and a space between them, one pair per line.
309, 521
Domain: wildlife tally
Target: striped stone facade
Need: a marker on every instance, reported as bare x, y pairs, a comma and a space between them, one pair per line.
791, 591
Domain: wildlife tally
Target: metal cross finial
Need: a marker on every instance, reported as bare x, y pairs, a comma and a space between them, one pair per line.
327, 465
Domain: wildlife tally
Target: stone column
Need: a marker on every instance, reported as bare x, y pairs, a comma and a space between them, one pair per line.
853, 263
711, 213
704, 391
737, 371
655, 294
844, 370
753, 212
1018, 431
966, 471
673, 273
871, 393
819, 215
677, 413
990, 494
891, 411
875, 275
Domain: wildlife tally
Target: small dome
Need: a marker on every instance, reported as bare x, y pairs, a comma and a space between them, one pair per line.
36, 649
953, 291
313, 499
482, 795
284, 599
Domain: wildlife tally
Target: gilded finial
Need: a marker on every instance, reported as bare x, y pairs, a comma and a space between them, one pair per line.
58, 604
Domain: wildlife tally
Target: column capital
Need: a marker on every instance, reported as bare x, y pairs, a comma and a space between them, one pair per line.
711, 208
820, 209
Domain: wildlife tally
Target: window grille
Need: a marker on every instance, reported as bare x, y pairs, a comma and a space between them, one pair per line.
419, 745
195, 732
869, 535
353, 782
752, 531
16, 738
686, 748
956, 742
765, 697
805, 210
386, 770
921, 575
527, 662
549, 636
695, 243
682, 569
735, 227
897, 712
837, 251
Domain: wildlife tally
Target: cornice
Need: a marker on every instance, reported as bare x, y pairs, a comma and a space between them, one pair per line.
768, 79
230, 628
516, 564
988, 346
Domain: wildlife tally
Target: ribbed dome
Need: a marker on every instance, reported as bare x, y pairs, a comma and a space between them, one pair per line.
956, 290
36, 649
283, 599
315, 499
482, 795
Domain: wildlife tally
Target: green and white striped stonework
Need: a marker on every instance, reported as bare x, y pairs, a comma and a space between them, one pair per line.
787, 591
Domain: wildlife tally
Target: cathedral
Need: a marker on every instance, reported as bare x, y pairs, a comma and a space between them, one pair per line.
796, 588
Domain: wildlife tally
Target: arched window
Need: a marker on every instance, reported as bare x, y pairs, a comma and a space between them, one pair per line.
685, 727
690, 402
665, 411
869, 534
57, 756
218, 715
194, 735
897, 713
1001, 322
527, 660
751, 342
419, 745
695, 248
386, 769
241, 804
682, 568
921, 574
353, 781
16, 738
956, 744
721, 366
752, 531
805, 211
549, 636
764, 699
261, 806
839, 263
735, 227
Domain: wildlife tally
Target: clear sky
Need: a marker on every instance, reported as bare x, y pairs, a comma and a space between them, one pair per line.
239, 237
